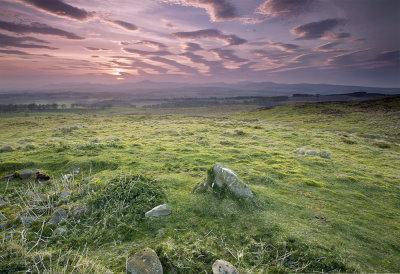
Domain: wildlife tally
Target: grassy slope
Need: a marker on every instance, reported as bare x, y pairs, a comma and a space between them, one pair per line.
338, 213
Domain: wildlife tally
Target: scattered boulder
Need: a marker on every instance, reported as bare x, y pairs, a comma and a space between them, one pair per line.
79, 211
323, 153
158, 211
223, 267
27, 220
60, 231
57, 217
2, 217
64, 195
27, 173
221, 177
144, 261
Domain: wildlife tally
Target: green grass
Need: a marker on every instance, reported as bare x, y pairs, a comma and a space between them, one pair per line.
334, 207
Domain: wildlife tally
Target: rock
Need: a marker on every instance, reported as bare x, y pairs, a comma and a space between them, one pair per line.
3, 225
57, 217
79, 211
223, 177
27, 173
158, 211
27, 220
64, 195
223, 267
66, 178
144, 261
3, 202
60, 231
8, 177
2, 217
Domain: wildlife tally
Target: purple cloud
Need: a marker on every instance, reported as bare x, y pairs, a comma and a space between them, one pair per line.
316, 30
328, 46
123, 24
148, 53
37, 28
152, 44
218, 10
211, 34
19, 42
276, 8
59, 8
173, 63
228, 54
192, 47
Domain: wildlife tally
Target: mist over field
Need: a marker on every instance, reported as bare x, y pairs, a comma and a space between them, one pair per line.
199, 136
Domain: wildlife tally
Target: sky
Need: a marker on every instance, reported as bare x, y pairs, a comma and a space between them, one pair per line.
345, 42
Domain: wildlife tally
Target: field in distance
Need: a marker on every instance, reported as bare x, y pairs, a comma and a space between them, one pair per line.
325, 178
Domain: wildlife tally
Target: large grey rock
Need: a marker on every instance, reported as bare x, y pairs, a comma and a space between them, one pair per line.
27, 173
158, 211
223, 177
58, 216
144, 261
223, 267
27, 220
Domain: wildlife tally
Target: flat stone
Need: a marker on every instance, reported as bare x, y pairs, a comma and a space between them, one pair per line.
59, 231
58, 216
159, 211
64, 195
2, 217
144, 261
223, 267
27, 173
27, 220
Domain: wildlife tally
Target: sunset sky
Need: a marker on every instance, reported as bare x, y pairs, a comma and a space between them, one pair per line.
289, 41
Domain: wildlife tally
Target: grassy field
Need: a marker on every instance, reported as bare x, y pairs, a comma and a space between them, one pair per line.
326, 178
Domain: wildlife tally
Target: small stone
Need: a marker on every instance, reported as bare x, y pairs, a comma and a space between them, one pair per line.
60, 231
79, 211
64, 195
58, 216
2, 217
223, 267
158, 211
144, 261
27, 220
66, 178
3, 225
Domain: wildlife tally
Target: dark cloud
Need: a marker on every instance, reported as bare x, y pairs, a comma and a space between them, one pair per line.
328, 46
211, 34
173, 63
228, 54
143, 65
95, 49
151, 44
390, 57
316, 30
59, 8
218, 10
213, 66
345, 59
14, 52
336, 36
148, 53
287, 8
123, 24
192, 47
169, 26
37, 28
271, 55
19, 42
